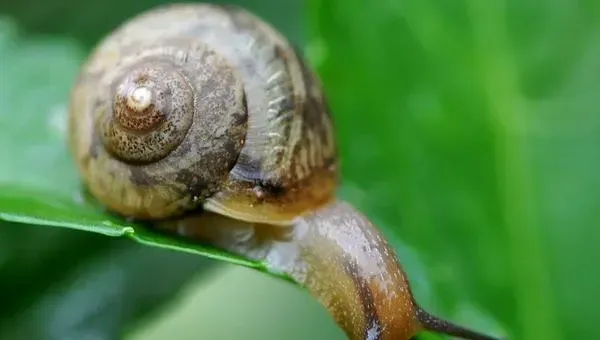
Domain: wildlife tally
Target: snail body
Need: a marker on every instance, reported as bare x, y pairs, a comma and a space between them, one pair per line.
204, 120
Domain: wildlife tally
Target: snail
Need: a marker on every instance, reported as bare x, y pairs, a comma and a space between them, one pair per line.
204, 120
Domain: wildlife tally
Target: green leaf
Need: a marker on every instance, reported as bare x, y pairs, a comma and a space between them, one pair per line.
472, 128
60, 284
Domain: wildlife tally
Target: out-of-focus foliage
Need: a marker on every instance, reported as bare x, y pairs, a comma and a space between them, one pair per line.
59, 284
88, 20
468, 131
474, 126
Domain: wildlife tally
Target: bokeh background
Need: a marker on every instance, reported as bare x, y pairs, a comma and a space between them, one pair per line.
468, 130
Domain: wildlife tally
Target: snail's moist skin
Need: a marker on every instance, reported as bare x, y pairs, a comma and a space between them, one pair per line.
340, 257
336, 253
258, 144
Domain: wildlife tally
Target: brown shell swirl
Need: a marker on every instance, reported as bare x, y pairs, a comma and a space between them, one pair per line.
197, 104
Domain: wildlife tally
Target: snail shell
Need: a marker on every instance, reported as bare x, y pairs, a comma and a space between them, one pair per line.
199, 105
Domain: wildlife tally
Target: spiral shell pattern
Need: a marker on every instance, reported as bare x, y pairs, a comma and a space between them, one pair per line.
156, 127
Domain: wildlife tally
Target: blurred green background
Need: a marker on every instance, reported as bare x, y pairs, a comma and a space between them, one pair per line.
469, 131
